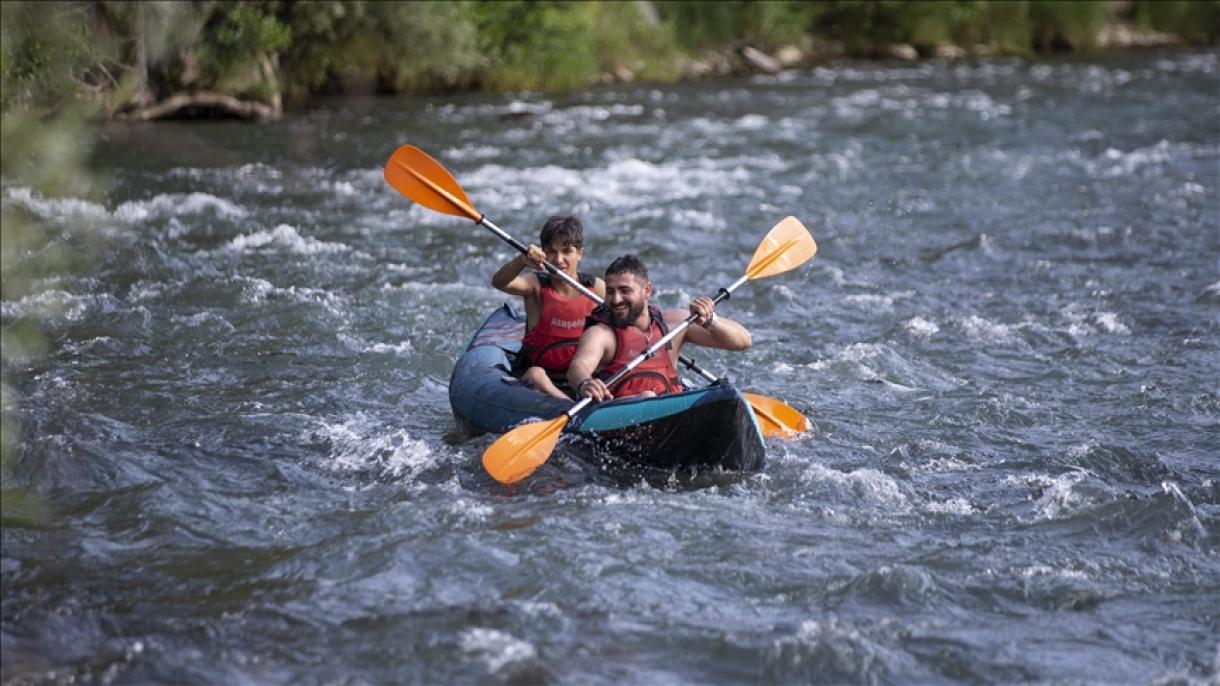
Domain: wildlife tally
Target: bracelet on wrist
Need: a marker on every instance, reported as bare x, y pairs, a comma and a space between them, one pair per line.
711, 321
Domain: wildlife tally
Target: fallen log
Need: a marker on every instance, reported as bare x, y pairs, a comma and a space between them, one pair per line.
242, 109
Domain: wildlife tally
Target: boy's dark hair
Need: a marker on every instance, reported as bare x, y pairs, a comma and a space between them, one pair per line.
563, 229
628, 264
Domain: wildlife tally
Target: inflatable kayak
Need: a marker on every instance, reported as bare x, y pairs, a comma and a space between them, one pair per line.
704, 427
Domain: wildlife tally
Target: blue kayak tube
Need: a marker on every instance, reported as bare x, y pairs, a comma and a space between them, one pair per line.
712, 426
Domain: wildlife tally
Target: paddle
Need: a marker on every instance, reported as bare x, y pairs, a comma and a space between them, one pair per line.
516, 454
423, 180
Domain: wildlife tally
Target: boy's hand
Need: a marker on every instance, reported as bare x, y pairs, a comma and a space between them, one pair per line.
534, 257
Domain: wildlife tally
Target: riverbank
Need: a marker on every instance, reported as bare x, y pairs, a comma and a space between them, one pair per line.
810, 51
140, 61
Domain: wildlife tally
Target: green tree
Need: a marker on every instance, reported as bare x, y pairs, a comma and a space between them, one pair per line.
45, 56
1198, 21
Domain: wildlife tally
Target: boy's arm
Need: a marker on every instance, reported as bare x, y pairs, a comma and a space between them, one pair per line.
509, 278
599, 287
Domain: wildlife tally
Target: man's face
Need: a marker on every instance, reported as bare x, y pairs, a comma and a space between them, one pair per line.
626, 297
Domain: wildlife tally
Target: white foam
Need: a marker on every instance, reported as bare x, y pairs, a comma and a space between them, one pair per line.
470, 511
945, 464
856, 353
1114, 162
201, 318
259, 291
1077, 452
1082, 322
496, 648
783, 291
77, 347
1108, 321
63, 209
625, 184
1044, 570
752, 122
586, 113
1191, 525
284, 237
907, 101
400, 348
980, 329
52, 303
869, 484
145, 290
957, 506
870, 301
358, 445
1201, 62
698, 219
539, 609
177, 205
471, 152
1062, 496
921, 327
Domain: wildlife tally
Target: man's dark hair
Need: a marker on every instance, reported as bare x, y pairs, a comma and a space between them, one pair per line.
628, 264
563, 229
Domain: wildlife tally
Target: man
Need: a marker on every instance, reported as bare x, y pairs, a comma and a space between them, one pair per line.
626, 325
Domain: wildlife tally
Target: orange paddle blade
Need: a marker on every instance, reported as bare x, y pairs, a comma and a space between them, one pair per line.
516, 454
777, 419
786, 246
422, 179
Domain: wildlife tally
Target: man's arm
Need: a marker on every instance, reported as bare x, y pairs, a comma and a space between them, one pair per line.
595, 347
509, 278
724, 333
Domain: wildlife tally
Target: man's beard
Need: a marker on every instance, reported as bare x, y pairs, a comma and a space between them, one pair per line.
628, 319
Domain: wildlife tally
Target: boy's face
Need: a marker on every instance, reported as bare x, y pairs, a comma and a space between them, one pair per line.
564, 256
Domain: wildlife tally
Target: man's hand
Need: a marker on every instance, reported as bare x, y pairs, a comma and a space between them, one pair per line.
705, 310
594, 388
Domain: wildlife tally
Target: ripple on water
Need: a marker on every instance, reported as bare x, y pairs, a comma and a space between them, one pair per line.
246, 463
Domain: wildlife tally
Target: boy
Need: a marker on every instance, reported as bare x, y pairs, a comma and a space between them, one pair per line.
554, 311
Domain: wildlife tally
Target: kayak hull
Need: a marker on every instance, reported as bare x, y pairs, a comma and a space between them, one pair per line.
706, 427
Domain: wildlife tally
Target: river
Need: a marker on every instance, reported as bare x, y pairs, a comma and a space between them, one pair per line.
246, 469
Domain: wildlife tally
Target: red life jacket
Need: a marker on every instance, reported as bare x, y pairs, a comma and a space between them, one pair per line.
561, 320
657, 373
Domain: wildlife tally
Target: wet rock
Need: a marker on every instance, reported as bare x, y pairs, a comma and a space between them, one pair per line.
789, 55
759, 61
1126, 36
709, 64
902, 51
622, 73
949, 52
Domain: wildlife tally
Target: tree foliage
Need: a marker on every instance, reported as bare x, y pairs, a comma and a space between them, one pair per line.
119, 55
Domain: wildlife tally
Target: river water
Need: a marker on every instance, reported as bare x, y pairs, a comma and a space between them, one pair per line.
245, 468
